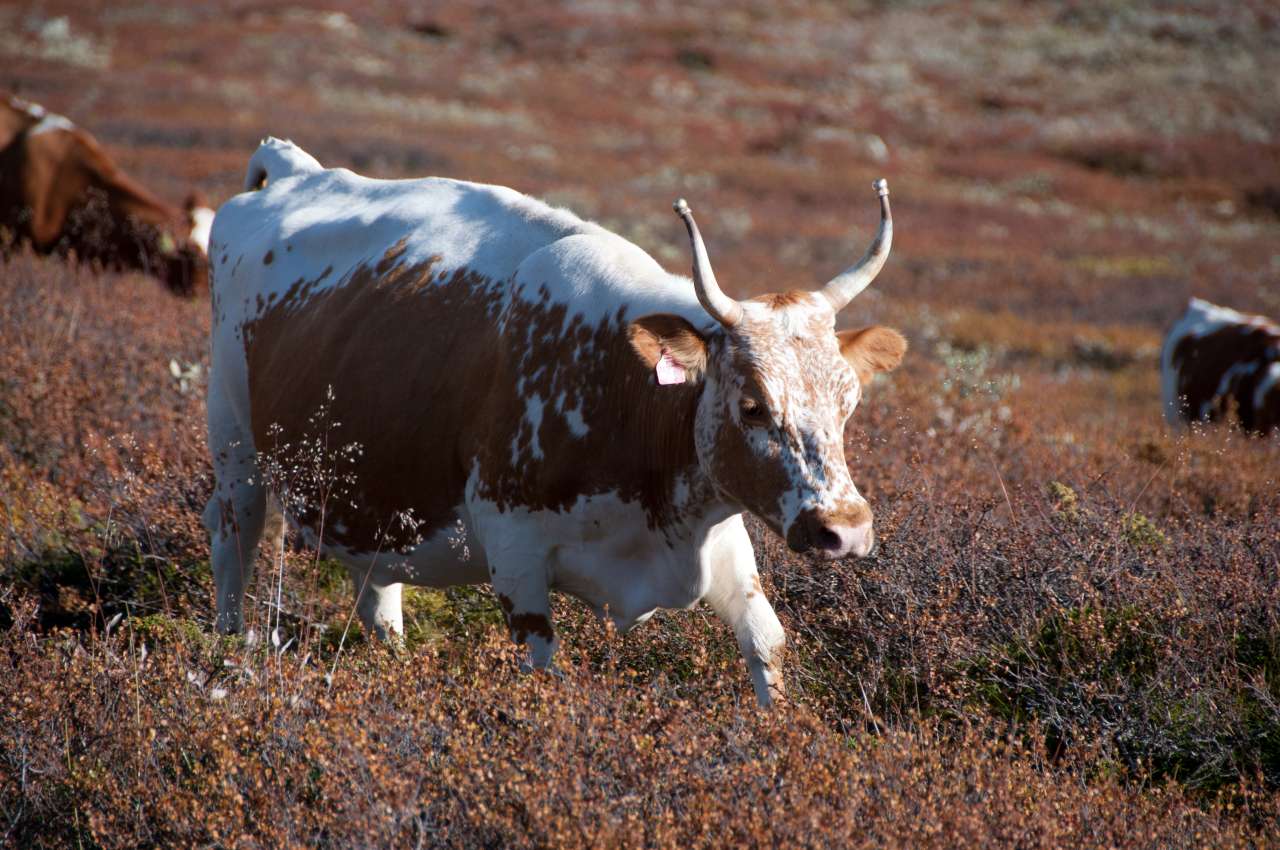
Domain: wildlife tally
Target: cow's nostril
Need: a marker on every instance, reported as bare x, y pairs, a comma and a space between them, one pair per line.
828, 539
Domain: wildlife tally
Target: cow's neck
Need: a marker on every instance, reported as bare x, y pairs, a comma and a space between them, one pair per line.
658, 452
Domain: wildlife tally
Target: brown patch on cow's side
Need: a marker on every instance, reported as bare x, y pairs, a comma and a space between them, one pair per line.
391, 256
426, 383
405, 360
872, 350
270, 255
639, 437
1202, 363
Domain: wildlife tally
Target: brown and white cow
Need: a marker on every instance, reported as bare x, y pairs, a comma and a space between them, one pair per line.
524, 398
1216, 360
60, 192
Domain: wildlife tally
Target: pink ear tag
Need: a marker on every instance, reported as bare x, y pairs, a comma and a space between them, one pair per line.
668, 370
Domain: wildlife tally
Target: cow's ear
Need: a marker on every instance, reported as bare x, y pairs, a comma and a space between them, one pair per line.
872, 350
652, 336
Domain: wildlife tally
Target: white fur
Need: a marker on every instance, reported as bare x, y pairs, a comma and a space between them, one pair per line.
50, 122
1267, 385
201, 224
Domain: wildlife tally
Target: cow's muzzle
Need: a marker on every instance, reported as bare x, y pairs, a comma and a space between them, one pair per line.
833, 535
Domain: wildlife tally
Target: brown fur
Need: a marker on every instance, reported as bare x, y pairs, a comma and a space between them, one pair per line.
1203, 361
871, 350
61, 192
350, 338
760, 484
781, 300
651, 335
523, 625
456, 398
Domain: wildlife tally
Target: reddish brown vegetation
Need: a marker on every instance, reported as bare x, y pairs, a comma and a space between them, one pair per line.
1071, 635
1030, 649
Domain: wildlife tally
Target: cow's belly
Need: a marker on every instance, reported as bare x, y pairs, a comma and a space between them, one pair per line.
450, 556
630, 577
602, 551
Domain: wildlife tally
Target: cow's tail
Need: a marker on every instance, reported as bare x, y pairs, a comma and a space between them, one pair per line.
275, 159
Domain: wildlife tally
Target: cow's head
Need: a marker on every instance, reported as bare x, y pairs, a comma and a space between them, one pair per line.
778, 386
199, 220
185, 255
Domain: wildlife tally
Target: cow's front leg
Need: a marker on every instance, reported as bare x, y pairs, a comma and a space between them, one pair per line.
525, 603
736, 596
520, 572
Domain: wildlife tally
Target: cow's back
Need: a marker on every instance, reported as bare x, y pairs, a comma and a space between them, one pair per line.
337, 219
16, 116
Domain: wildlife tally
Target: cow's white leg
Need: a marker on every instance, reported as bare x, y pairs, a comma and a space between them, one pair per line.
378, 604
736, 596
234, 517
523, 595
520, 571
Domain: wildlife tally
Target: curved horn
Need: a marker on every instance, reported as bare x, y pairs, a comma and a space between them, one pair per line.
722, 308
841, 289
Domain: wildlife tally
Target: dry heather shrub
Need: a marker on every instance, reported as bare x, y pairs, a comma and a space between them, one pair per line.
199, 744
100, 448
1006, 670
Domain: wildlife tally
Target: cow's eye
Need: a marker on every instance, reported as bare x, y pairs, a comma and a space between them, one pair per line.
753, 412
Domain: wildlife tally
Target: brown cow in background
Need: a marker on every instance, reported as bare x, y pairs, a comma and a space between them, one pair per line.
1217, 362
60, 191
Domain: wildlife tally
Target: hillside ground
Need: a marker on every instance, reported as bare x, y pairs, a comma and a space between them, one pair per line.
1071, 636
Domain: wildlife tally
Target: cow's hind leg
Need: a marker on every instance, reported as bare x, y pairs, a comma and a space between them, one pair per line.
234, 517
736, 596
378, 603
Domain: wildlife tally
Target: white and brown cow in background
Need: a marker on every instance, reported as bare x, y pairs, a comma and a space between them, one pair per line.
525, 398
1216, 361
60, 191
